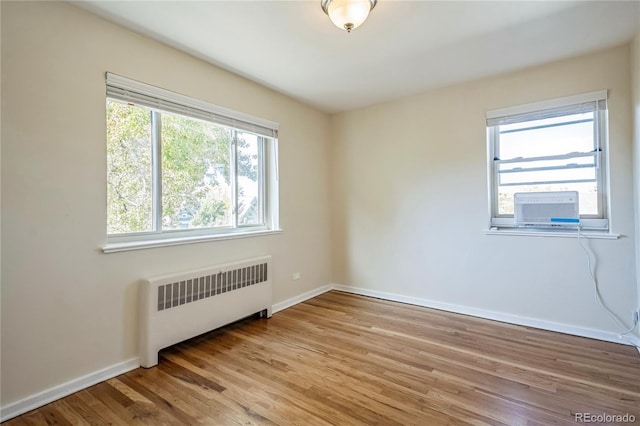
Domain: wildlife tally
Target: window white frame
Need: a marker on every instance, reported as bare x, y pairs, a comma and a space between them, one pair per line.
592, 101
159, 100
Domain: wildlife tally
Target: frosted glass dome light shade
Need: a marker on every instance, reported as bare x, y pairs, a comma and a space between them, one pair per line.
347, 14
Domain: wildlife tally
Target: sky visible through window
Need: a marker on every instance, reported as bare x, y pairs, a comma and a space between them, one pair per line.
568, 137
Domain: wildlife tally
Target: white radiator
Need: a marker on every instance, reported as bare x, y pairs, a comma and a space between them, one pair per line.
181, 306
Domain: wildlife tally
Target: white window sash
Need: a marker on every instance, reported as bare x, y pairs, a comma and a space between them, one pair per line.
588, 102
121, 89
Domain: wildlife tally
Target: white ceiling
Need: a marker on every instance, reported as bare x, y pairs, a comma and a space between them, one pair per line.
403, 48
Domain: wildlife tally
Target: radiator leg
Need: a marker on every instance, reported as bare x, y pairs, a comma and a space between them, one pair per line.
149, 359
265, 313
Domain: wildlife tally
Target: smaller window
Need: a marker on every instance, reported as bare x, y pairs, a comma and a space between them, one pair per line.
555, 145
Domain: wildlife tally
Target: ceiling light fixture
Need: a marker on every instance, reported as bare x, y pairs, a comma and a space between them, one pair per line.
348, 14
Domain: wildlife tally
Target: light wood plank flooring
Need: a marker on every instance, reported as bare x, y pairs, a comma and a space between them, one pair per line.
343, 359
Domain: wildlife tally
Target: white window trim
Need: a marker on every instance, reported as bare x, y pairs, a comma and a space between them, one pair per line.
114, 247
131, 91
551, 233
504, 225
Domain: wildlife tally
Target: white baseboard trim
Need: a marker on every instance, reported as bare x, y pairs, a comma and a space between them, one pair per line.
496, 316
45, 397
300, 298
635, 340
42, 398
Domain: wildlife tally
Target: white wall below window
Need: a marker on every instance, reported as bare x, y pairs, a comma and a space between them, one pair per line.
635, 105
411, 210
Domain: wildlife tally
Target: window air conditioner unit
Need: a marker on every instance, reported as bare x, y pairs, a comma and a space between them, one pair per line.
546, 209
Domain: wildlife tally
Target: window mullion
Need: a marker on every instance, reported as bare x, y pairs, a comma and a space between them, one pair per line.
600, 172
495, 154
156, 169
546, 168
546, 157
234, 177
261, 179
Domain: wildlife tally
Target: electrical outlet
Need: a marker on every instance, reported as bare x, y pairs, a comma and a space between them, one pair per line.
296, 275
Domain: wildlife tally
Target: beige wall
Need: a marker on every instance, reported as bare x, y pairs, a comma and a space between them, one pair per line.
635, 90
67, 308
0, 198
410, 201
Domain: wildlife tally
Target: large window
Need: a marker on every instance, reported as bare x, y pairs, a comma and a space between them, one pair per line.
555, 145
179, 168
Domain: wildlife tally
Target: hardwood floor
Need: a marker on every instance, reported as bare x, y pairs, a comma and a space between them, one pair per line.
343, 359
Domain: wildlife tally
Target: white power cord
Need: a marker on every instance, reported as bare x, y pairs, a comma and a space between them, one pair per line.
597, 295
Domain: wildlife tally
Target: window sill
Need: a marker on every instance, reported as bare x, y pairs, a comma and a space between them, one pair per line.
138, 245
604, 235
